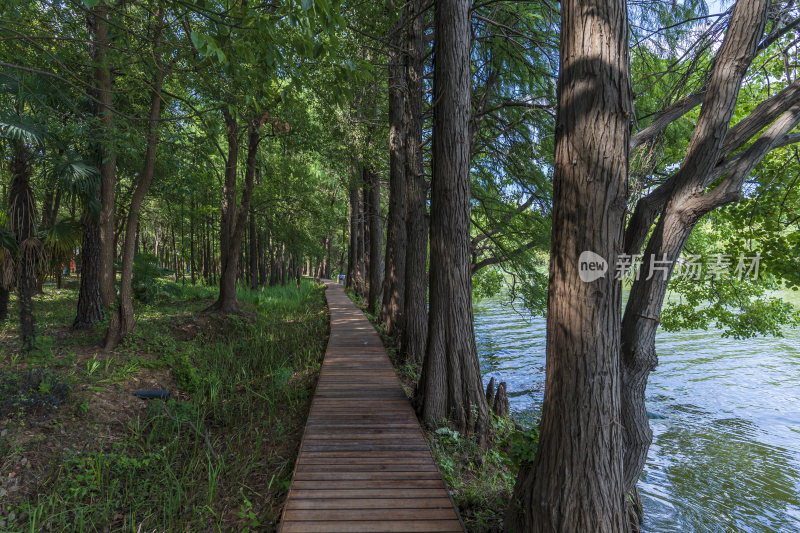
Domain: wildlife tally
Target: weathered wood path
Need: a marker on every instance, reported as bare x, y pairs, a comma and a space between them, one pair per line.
364, 464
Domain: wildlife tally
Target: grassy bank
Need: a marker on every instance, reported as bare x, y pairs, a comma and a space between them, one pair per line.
79, 452
480, 480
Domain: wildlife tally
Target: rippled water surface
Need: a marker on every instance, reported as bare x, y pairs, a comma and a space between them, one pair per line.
726, 446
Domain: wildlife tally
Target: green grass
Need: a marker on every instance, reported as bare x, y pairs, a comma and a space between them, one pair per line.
218, 456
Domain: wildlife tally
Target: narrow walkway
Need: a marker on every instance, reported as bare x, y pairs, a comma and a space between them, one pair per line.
364, 464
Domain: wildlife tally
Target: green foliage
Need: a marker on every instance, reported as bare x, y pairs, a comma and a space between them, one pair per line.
185, 372
147, 285
487, 283
739, 305
482, 479
523, 445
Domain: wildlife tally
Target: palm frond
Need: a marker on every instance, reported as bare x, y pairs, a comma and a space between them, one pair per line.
7, 241
62, 238
21, 132
77, 177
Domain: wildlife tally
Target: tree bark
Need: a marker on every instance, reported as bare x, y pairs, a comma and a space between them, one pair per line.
108, 292
450, 384
355, 278
679, 206
90, 306
415, 305
375, 240
394, 275
123, 320
576, 480
253, 252
22, 218
4, 296
232, 233
191, 242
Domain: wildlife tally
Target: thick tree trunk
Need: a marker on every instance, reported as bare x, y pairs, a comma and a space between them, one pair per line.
108, 292
355, 278
122, 320
364, 230
394, 275
375, 240
415, 305
450, 385
233, 230
4, 296
90, 306
576, 481
22, 218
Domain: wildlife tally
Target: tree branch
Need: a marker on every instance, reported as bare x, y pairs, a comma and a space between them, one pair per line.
778, 134
667, 117
764, 113
495, 259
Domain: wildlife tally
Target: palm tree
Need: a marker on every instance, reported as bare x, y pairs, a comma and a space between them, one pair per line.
8, 251
22, 219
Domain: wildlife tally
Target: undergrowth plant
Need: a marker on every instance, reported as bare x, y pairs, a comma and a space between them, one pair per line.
218, 453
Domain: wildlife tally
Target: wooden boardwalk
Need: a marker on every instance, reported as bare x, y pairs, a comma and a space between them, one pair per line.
364, 464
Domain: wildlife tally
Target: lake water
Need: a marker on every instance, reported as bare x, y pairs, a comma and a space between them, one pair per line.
726, 454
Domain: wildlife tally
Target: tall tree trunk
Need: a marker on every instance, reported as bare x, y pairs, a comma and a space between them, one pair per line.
102, 71
326, 265
273, 263
375, 241
576, 481
365, 234
122, 321
394, 276
4, 296
227, 285
450, 384
234, 219
355, 278
90, 305
262, 260
175, 267
22, 218
415, 305
191, 242
253, 252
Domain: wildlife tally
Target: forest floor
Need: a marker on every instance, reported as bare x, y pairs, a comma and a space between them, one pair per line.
480, 479
80, 452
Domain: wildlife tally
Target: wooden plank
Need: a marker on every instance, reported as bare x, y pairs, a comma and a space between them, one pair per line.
369, 475
380, 526
365, 493
370, 514
373, 503
383, 484
371, 468
376, 454
311, 459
